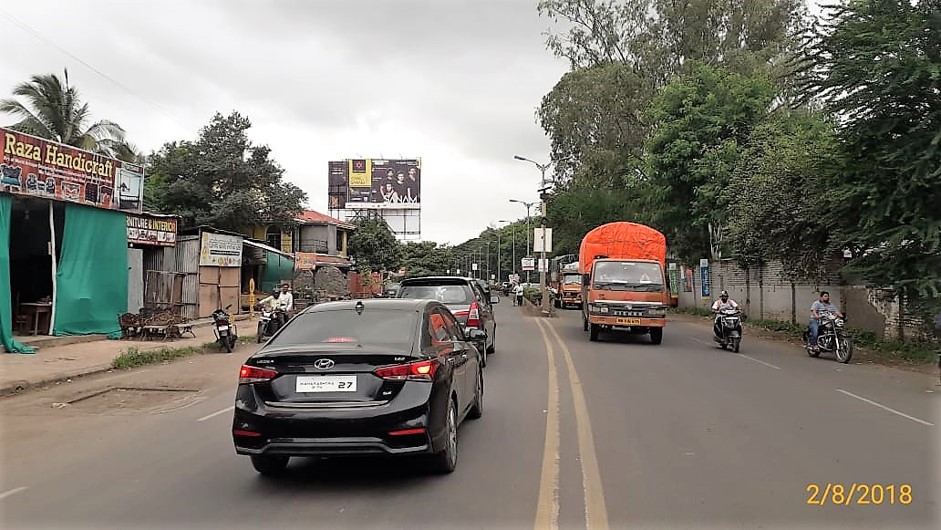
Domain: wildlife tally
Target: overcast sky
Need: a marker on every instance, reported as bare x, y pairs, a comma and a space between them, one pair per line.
455, 82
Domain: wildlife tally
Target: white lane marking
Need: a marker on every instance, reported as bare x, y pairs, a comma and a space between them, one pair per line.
881, 406
701, 341
214, 414
742, 355
13, 491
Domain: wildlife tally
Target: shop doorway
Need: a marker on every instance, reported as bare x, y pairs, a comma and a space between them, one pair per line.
31, 262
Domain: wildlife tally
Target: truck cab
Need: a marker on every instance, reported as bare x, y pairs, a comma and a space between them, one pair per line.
570, 290
624, 284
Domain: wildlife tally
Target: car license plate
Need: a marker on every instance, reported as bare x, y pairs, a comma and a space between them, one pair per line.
223, 328
326, 383
628, 321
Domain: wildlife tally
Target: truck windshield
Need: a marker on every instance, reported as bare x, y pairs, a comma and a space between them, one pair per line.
628, 276
572, 279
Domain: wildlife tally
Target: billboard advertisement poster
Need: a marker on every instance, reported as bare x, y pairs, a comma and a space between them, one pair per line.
41, 168
149, 230
706, 288
220, 250
338, 184
396, 181
360, 180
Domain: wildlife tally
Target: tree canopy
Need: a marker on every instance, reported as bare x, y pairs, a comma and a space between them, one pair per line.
49, 107
222, 179
374, 246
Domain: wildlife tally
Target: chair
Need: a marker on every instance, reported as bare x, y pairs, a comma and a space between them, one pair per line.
23, 324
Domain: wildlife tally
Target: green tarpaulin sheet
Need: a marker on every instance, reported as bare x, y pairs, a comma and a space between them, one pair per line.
6, 303
91, 278
277, 270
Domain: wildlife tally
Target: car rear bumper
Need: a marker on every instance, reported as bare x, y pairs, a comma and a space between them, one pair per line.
355, 446
263, 428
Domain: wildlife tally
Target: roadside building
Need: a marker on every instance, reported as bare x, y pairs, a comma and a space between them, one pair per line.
63, 238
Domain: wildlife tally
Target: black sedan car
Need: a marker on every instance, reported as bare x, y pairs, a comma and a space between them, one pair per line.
365, 377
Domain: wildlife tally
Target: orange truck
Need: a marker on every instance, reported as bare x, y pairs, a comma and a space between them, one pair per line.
570, 287
623, 280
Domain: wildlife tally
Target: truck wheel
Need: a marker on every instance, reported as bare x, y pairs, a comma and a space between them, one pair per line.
656, 335
593, 330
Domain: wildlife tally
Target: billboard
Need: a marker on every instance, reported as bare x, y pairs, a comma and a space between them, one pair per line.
365, 182
220, 250
33, 166
151, 230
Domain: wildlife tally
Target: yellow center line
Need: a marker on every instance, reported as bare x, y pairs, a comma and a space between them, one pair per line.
547, 510
596, 513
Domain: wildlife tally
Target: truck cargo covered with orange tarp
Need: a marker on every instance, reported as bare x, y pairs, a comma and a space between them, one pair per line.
622, 240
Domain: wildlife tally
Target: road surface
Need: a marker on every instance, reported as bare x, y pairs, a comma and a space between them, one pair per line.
618, 434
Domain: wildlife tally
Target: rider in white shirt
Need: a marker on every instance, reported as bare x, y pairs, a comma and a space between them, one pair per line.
286, 299
723, 303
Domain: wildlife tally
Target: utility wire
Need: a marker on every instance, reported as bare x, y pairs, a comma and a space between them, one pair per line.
50, 42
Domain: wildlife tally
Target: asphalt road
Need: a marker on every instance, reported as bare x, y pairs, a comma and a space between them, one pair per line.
617, 434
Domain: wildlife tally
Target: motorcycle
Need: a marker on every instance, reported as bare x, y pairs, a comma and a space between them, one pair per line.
270, 322
831, 338
730, 328
224, 329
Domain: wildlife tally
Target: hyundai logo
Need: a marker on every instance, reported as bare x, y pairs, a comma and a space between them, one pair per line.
324, 364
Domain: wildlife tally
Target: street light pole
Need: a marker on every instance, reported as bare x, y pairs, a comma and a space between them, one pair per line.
513, 246
543, 186
528, 205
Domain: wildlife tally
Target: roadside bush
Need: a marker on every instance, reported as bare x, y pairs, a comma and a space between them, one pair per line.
134, 357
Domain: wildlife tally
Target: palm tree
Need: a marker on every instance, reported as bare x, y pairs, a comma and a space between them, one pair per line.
55, 112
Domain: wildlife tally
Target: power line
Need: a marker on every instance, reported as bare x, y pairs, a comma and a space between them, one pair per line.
50, 42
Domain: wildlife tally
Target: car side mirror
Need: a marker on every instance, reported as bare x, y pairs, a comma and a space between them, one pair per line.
475, 334
494, 299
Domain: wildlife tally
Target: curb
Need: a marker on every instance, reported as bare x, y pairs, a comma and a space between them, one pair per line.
19, 387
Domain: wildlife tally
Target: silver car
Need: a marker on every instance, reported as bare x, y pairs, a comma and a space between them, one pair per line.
464, 297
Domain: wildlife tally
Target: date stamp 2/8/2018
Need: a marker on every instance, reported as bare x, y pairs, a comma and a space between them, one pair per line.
859, 494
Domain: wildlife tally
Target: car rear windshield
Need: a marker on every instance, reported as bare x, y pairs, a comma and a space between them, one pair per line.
381, 327
452, 294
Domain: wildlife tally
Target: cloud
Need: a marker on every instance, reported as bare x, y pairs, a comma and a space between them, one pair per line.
455, 82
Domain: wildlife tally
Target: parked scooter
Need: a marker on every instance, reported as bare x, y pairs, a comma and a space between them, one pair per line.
730, 329
270, 322
224, 329
831, 338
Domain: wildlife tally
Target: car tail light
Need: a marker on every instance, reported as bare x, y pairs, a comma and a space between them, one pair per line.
473, 316
253, 374
417, 371
243, 432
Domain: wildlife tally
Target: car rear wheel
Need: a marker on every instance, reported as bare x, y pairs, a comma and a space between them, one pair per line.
445, 461
270, 465
493, 343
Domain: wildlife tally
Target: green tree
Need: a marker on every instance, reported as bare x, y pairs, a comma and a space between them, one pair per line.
878, 67
374, 246
222, 179
426, 259
778, 207
52, 109
701, 122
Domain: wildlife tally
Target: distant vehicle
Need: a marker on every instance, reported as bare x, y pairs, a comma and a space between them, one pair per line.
390, 290
364, 377
571, 284
623, 283
464, 297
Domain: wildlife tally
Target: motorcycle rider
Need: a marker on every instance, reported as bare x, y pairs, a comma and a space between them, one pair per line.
817, 310
723, 303
269, 302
